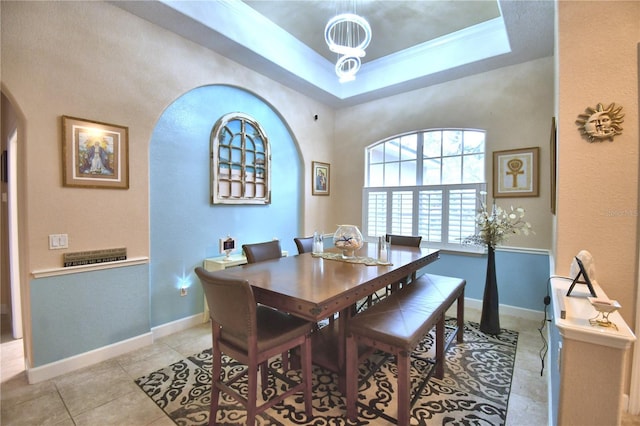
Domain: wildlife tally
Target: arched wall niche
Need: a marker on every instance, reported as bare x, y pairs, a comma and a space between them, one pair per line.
185, 226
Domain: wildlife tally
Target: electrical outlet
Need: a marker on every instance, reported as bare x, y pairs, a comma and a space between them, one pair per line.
183, 291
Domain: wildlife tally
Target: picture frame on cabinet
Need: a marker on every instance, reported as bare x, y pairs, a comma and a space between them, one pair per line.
515, 173
320, 178
94, 154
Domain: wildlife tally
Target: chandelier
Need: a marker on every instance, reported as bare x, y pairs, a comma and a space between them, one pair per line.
348, 35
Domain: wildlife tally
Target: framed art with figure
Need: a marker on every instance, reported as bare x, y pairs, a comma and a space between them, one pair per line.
515, 173
94, 154
320, 178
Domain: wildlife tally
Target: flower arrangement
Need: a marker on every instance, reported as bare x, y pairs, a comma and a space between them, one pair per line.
498, 224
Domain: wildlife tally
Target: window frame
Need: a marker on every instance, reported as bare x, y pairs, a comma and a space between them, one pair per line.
393, 223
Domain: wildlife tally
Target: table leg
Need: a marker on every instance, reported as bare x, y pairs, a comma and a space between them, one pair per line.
342, 350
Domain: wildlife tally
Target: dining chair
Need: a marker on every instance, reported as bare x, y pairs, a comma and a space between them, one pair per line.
404, 240
259, 252
397, 240
304, 244
251, 334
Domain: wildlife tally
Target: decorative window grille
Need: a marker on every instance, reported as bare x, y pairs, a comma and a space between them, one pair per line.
240, 161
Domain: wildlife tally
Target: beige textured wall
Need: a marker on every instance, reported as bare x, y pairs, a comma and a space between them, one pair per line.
590, 396
513, 104
598, 182
95, 61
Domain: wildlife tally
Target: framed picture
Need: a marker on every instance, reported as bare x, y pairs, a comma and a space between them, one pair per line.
515, 173
320, 178
94, 154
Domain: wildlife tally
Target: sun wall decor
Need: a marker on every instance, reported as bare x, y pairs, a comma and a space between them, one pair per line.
600, 123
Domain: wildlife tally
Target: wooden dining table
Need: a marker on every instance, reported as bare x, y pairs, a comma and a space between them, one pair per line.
316, 288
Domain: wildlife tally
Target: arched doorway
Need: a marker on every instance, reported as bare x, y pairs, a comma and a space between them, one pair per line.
11, 294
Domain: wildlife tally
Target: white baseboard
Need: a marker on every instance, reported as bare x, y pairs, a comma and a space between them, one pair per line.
513, 311
176, 326
67, 365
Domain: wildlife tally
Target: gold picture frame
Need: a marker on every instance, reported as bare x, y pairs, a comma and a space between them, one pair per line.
320, 178
94, 154
515, 173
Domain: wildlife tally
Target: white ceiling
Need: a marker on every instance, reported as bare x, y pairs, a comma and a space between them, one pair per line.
396, 25
414, 44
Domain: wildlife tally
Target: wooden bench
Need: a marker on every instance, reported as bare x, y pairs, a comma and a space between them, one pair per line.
396, 325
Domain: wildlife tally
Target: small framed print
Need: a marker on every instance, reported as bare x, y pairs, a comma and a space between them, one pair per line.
320, 183
94, 154
515, 173
227, 245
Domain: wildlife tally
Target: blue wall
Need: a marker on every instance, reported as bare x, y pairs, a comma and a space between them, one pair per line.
76, 313
522, 276
185, 227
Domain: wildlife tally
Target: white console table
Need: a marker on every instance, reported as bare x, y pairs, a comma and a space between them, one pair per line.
591, 358
220, 263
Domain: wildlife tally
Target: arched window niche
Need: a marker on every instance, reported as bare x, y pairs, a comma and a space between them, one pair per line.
240, 161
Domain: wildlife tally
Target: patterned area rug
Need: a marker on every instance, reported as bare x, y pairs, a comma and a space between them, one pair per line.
475, 388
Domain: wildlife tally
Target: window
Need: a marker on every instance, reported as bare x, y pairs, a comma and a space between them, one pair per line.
425, 183
240, 161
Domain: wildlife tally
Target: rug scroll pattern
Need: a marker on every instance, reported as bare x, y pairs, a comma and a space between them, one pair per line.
475, 388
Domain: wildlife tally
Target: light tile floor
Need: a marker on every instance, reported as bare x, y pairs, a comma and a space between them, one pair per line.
105, 393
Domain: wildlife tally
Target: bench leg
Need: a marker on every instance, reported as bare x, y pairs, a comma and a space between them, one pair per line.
352, 378
404, 383
461, 317
440, 343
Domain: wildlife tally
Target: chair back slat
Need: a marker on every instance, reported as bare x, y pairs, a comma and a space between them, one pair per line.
259, 252
304, 244
404, 240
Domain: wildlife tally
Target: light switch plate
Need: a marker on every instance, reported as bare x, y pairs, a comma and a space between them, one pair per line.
58, 241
